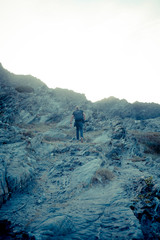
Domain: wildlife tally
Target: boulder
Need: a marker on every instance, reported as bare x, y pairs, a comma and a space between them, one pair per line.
18, 175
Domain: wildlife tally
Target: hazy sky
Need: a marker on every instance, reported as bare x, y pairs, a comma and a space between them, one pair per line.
98, 47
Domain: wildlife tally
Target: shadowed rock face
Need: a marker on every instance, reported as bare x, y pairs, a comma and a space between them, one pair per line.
53, 187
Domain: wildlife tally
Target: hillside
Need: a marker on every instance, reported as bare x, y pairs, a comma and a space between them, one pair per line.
55, 187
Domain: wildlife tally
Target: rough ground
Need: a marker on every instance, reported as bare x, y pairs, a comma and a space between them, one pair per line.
80, 191
54, 187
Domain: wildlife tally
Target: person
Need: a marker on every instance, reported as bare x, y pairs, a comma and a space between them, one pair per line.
79, 117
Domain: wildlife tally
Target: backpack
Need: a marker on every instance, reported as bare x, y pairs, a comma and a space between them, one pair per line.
78, 115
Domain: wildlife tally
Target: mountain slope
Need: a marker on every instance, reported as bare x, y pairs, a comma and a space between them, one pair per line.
58, 188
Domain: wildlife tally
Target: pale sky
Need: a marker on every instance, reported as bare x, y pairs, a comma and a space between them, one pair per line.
101, 48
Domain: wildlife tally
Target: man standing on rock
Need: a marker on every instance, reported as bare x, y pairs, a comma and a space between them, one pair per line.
79, 117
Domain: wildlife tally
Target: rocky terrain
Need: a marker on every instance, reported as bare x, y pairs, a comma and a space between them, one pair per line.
54, 187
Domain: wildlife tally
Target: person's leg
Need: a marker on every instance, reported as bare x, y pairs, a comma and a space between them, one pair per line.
81, 131
77, 132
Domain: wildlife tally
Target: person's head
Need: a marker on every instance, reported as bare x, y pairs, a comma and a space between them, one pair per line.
77, 108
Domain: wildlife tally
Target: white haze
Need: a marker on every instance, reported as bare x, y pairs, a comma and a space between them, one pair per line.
99, 48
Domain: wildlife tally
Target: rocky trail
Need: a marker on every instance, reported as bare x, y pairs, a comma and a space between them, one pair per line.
54, 187
78, 192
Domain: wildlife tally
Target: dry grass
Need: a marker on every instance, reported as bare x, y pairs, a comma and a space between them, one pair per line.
150, 139
102, 176
137, 159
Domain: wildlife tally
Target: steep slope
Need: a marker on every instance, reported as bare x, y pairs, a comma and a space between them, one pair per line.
53, 187
19, 81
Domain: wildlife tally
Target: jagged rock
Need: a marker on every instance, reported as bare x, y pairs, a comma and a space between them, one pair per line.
60, 188
118, 130
146, 208
85, 173
18, 176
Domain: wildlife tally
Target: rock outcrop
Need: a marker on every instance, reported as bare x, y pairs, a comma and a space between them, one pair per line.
54, 187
